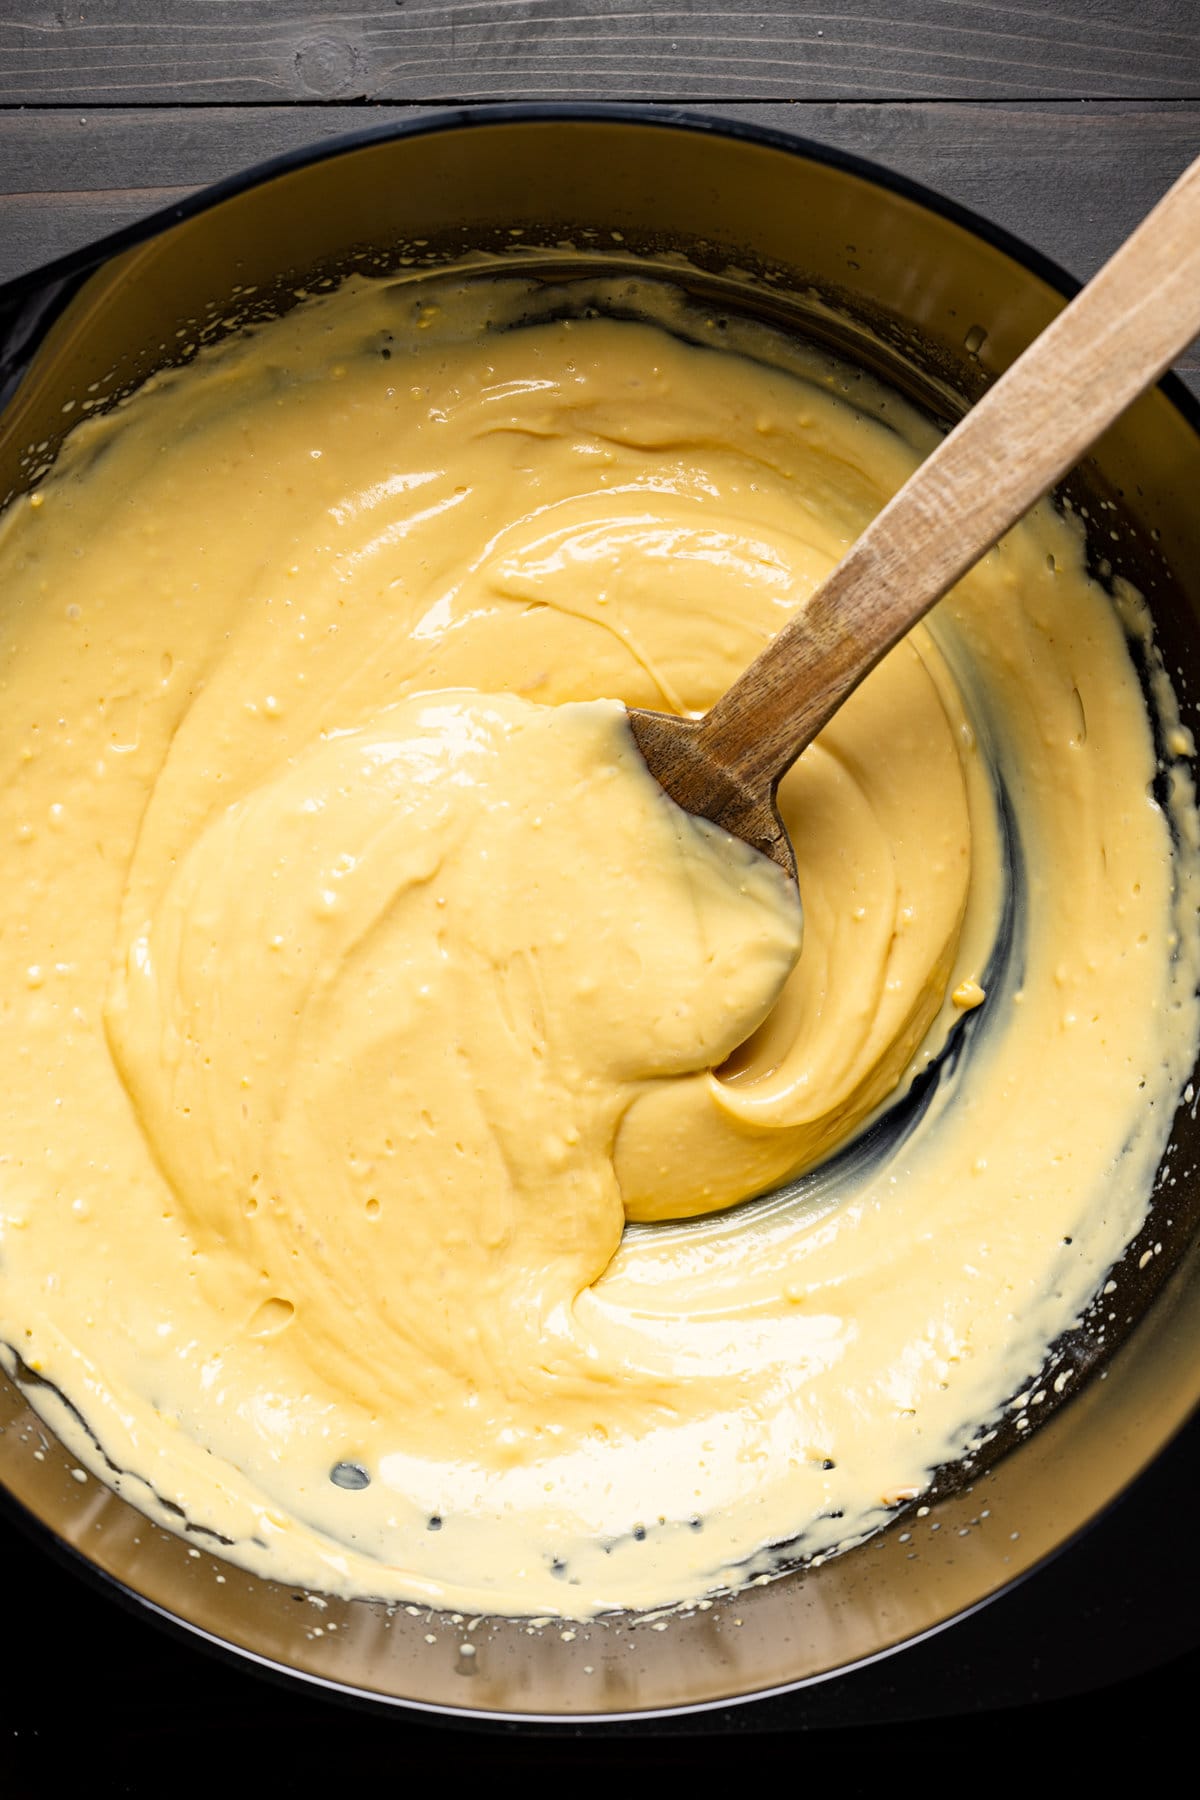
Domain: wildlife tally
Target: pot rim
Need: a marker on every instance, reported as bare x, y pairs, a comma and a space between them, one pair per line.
661, 115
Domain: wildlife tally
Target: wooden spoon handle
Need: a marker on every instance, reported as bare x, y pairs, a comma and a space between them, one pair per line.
1110, 343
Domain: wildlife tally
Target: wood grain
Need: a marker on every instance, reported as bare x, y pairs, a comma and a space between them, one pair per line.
174, 51
1070, 179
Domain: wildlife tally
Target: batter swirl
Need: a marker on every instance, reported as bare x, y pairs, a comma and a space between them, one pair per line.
385, 1058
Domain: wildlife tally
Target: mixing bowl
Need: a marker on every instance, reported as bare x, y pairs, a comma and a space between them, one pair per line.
937, 303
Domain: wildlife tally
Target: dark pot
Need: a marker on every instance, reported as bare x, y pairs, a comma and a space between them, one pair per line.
938, 304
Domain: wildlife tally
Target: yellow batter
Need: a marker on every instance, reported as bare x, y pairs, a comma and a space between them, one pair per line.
359, 984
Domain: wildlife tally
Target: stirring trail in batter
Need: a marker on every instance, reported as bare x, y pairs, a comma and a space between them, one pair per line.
430, 1160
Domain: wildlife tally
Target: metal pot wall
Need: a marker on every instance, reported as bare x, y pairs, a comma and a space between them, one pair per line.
937, 303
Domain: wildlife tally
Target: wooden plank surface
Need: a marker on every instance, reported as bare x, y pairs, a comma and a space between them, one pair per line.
1062, 120
119, 52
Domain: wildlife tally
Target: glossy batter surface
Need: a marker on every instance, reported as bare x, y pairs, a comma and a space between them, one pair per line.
359, 985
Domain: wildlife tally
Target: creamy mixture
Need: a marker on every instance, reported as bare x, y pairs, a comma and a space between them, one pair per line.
383, 1053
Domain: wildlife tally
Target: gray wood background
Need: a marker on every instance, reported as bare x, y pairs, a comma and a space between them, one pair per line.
1061, 119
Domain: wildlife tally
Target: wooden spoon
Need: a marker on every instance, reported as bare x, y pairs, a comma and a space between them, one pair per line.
1111, 342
